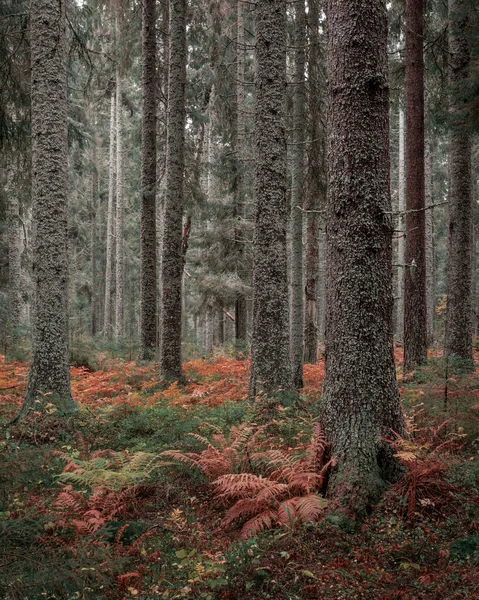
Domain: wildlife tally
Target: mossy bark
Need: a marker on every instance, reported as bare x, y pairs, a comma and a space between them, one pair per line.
172, 260
270, 357
148, 184
459, 272
49, 375
360, 399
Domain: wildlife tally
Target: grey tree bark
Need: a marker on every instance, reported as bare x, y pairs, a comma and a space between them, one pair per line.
148, 184
360, 398
110, 226
270, 357
14, 267
95, 314
297, 196
119, 217
172, 260
459, 272
49, 375
430, 278
401, 232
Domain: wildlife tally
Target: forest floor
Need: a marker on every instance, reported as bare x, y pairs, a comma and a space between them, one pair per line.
90, 508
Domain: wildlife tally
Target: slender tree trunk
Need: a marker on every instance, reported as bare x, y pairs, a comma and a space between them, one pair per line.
297, 198
415, 313
270, 360
14, 269
360, 398
49, 375
459, 272
94, 325
430, 279
148, 170
120, 217
241, 316
110, 226
172, 261
401, 233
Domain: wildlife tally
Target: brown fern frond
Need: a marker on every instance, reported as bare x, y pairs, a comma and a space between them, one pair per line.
264, 520
241, 509
310, 507
239, 485
316, 448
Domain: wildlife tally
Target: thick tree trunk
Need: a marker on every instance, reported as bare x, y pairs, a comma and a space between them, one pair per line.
430, 279
459, 272
315, 189
148, 184
172, 260
415, 312
49, 375
270, 360
110, 225
401, 233
360, 398
297, 198
241, 317
120, 217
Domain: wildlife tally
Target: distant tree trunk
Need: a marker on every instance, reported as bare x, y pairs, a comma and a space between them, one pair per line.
120, 217
401, 233
430, 280
360, 398
172, 260
49, 375
297, 197
459, 272
14, 268
110, 226
270, 360
415, 313
148, 184
94, 324
241, 317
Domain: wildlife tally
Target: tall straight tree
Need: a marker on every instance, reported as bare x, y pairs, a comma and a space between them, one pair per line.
148, 183
402, 234
172, 259
270, 357
415, 310
360, 398
110, 225
459, 272
297, 194
120, 209
49, 375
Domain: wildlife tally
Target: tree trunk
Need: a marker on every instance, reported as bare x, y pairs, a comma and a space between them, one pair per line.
49, 375
14, 269
148, 184
430, 279
415, 313
360, 398
315, 190
172, 260
120, 217
110, 226
401, 233
297, 197
95, 314
270, 360
241, 316
459, 272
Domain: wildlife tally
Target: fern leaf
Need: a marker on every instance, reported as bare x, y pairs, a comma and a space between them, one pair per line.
263, 521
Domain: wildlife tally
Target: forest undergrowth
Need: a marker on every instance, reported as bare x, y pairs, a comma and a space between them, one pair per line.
188, 492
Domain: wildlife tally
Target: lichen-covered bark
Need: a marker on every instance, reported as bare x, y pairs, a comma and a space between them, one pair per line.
415, 333
430, 278
459, 272
119, 217
360, 398
401, 232
315, 189
110, 223
297, 195
270, 360
172, 266
148, 183
49, 375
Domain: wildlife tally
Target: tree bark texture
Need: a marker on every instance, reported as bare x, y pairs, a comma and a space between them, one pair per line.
120, 217
360, 398
415, 311
148, 184
430, 266
49, 374
110, 225
459, 272
297, 197
14, 268
95, 313
270, 360
402, 233
172, 260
